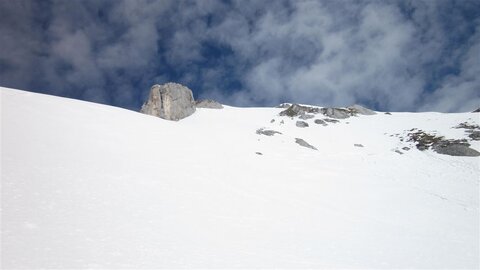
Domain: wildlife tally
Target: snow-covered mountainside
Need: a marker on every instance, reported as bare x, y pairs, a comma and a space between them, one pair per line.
85, 185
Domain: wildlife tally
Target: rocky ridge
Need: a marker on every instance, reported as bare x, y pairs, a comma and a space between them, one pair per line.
421, 140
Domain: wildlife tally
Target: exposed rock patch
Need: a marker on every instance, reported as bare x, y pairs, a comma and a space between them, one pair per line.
474, 135
424, 140
301, 124
320, 122
267, 132
171, 101
466, 125
297, 110
306, 116
455, 148
208, 104
472, 130
441, 145
303, 111
358, 145
303, 143
476, 111
331, 120
337, 113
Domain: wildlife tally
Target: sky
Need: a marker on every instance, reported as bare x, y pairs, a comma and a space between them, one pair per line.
387, 55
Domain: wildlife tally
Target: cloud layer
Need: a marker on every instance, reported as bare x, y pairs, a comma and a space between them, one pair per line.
389, 55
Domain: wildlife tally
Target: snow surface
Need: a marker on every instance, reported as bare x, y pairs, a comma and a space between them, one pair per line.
85, 185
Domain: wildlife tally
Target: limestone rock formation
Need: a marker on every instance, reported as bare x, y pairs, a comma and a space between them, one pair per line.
208, 104
171, 101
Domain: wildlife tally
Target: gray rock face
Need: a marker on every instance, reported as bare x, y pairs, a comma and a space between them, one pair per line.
301, 124
171, 101
208, 104
303, 143
361, 110
358, 145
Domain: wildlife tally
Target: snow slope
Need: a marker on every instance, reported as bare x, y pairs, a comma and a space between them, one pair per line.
85, 185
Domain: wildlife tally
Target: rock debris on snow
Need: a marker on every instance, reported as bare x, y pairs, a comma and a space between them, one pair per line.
303, 143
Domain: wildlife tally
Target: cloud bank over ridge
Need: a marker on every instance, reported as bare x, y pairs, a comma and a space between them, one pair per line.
389, 55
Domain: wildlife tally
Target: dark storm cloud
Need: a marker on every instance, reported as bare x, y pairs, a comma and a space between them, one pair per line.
405, 55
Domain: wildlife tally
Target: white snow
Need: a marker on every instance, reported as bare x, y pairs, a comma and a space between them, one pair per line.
85, 185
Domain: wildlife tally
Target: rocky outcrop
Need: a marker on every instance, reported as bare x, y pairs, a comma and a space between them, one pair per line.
474, 135
208, 104
472, 130
306, 112
337, 113
306, 116
357, 109
171, 101
439, 144
298, 110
